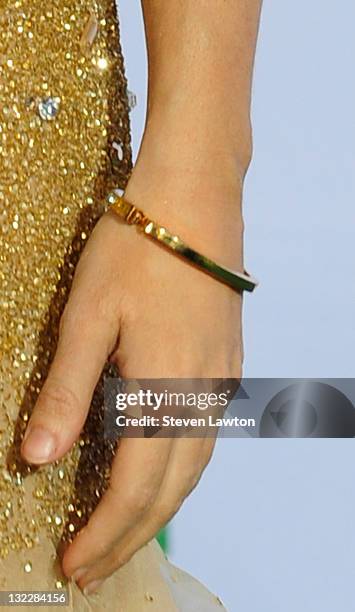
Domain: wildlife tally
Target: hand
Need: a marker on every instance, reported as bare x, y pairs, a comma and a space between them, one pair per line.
154, 316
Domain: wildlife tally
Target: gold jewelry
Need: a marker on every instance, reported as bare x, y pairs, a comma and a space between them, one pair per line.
134, 216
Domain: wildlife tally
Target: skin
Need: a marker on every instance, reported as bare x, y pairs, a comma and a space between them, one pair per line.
143, 308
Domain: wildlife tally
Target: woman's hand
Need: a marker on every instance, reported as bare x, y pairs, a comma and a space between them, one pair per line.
151, 313
154, 316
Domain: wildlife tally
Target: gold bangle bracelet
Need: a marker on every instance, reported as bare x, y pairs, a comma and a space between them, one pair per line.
134, 216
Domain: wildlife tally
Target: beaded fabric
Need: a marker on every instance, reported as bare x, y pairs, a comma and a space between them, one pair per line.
64, 143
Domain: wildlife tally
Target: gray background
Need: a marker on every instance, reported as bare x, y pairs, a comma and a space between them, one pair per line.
270, 528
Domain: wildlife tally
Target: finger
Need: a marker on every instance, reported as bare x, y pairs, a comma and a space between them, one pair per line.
187, 461
186, 466
85, 341
137, 472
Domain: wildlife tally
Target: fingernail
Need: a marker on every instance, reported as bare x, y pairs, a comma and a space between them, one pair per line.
39, 445
92, 586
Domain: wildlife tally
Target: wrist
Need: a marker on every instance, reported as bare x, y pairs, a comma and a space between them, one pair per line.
190, 143
132, 215
203, 208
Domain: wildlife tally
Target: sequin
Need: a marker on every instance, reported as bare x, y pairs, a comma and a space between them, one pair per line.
132, 99
102, 63
48, 108
90, 32
56, 168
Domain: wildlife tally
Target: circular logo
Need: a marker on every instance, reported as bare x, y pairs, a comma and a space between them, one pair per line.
308, 409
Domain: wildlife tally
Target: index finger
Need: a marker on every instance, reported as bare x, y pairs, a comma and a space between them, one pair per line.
137, 473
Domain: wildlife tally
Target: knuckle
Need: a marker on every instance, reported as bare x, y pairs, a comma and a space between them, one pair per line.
90, 311
121, 559
57, 399
191, 481
192, 477
192, 486
103, 303
138, 502
102, 548
166, 510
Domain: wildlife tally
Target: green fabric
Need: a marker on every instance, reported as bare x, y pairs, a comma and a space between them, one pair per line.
163, 540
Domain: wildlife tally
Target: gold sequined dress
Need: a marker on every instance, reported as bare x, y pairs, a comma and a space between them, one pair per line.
64, 143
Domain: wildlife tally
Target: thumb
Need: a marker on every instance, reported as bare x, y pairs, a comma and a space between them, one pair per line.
85, 341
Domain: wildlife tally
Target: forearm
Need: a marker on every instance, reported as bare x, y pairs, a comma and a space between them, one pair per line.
196, 145
200, 60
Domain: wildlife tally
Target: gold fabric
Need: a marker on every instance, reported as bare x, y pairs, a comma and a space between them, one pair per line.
64, 144
54, 174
